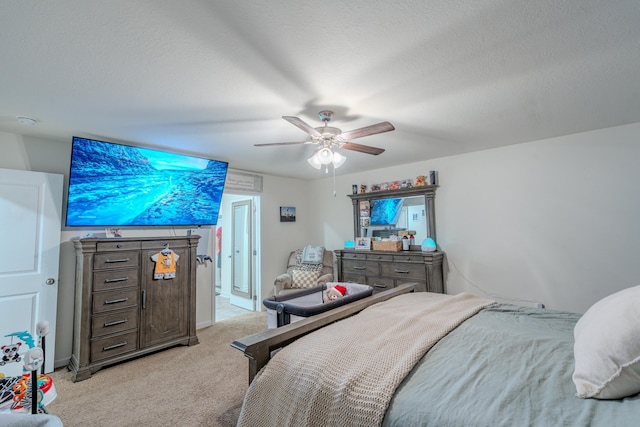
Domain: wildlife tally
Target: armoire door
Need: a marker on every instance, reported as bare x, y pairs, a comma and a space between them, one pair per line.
164, 303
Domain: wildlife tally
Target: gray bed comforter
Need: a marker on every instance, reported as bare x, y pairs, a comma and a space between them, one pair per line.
506, 366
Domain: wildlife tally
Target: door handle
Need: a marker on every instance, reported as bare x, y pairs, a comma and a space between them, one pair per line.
50, 281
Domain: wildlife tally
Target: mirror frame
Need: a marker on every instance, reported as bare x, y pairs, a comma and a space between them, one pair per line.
427, 191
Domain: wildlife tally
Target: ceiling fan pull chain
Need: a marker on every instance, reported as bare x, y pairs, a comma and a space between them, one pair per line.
334, 182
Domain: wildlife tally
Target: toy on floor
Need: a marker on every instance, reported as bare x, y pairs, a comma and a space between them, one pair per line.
17, 393
334, 292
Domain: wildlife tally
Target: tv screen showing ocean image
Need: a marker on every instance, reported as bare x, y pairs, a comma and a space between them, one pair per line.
386, 211
119, 185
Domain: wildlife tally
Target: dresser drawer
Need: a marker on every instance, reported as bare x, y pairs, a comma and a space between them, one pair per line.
112, 323
114, 346
114, 279
408, 258
116, 246
380, 257
115, 260
354, 255
404, 270
380, 284
354, 278
161, 244
108, 301
366, 268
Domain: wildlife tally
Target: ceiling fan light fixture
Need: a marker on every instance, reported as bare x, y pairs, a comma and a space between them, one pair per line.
329, 138
338, 159
313, 160
324, 155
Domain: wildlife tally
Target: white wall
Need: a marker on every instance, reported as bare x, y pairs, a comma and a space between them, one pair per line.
280, 238
554, 220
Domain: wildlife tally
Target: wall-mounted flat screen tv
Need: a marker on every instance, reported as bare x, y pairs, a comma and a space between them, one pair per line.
386, 211
119, 185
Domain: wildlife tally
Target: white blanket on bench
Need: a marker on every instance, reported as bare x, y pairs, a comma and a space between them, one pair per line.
346, 373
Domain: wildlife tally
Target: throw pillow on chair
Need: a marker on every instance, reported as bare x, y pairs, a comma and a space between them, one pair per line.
304, 279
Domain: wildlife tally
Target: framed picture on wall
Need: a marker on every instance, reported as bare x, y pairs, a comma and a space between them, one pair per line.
287, 214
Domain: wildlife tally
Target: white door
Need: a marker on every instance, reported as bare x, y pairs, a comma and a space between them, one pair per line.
30, 211
241, 257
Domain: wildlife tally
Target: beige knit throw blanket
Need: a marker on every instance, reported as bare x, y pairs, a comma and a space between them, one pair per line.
346, 373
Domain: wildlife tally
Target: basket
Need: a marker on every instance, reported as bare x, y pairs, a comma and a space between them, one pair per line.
387, 245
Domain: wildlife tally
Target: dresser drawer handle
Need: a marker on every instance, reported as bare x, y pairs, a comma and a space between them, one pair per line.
377, 285
402, 271
116, 301
111, 347
111, 261
355, 267
119, 279
114, 323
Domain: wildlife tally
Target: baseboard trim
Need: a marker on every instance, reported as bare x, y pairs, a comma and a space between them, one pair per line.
59, 363
201, 325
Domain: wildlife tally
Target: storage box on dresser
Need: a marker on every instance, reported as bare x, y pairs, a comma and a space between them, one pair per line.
385, 270
121, 311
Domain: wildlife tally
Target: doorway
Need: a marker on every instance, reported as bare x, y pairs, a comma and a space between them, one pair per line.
237, 260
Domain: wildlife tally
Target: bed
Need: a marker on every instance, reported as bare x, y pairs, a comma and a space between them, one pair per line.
472, 363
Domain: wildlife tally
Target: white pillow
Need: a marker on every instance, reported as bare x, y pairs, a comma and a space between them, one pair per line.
607, 347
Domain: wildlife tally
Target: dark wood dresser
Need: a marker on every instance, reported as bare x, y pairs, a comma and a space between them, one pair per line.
121, 311
386, 270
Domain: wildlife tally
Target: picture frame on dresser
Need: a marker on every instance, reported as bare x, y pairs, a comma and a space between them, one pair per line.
363, 244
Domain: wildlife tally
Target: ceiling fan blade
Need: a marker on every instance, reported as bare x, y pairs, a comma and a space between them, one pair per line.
362, 148
282, 143
302, 125
368, 130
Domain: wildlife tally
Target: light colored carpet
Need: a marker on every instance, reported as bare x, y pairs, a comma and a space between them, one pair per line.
201, 385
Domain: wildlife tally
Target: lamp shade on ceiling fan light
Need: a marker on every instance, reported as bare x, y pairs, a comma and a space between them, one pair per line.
313, 160
324, 155
338, 159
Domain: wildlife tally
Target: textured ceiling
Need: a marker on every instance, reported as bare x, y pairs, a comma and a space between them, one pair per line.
213, 77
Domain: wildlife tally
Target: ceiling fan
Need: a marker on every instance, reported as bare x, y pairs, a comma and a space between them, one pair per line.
330, 138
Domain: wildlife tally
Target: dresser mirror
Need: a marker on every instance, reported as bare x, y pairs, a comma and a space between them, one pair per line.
384, 213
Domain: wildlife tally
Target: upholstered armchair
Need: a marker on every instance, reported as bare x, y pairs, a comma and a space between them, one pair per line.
307, 267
